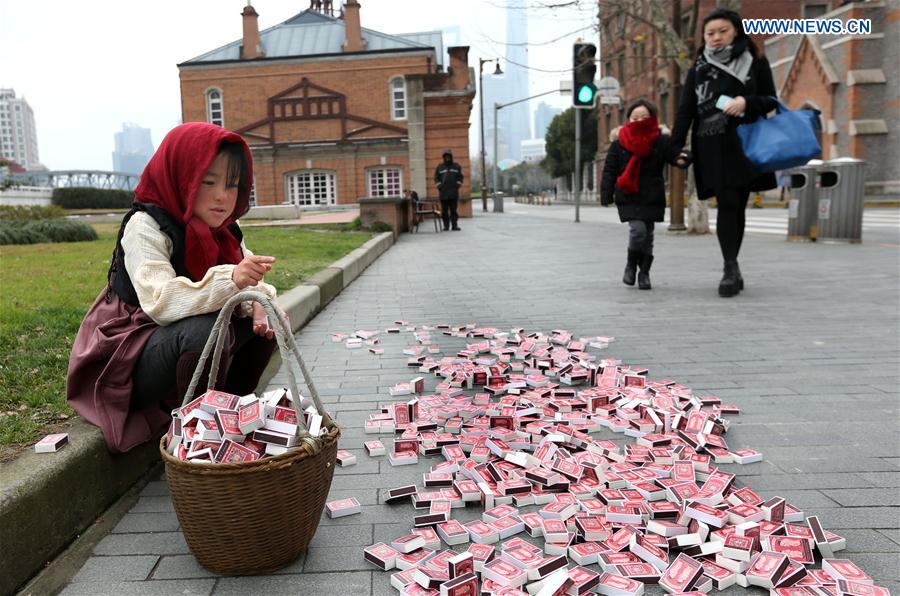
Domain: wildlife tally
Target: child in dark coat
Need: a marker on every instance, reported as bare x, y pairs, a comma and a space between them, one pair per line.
633, 180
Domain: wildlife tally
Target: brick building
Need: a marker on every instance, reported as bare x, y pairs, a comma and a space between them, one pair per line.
853, 81
334, 112
629, 50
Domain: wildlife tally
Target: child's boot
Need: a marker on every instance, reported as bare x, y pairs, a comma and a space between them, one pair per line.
634, 256
644, 275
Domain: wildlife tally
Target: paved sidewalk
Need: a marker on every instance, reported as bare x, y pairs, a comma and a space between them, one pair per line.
809, 350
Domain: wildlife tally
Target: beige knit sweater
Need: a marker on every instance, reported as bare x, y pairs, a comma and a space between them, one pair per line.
163, 295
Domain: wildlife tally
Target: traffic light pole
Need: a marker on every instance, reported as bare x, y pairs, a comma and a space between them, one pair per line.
577, 165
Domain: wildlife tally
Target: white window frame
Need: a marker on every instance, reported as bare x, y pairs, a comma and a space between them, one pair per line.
384, 186
251, 201
398, 98
211, 109
308, 188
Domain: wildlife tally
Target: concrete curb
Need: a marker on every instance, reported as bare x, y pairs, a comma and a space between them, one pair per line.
46, 502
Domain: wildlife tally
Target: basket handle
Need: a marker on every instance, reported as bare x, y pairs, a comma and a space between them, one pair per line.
286, 345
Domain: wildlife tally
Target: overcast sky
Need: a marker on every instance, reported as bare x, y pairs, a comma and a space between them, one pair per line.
87, 66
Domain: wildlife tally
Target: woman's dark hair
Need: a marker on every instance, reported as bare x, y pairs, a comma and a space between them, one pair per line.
413, 195
735, 19
641, 101
238, 167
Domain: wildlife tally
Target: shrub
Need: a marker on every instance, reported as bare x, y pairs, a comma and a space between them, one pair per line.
45, 230
92, 198
13, 213
380, 226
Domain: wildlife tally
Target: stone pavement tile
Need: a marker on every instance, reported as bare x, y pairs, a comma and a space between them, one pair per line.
869, 541
346, 536
194, 587
351, 583
858, 517
880, 566
773, 482
156, 488
859, 497
371, 514
893, 534
105, 569
147, 522
381, 583
885, 479
848, 463
367, 496
158, 543
362, 467
160, 504
808, 501
339, 558
181, 567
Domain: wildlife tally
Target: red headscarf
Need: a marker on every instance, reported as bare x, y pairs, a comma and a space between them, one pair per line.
171, 180
638, 137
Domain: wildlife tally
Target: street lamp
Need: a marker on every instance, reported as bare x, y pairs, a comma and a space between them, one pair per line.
497, 71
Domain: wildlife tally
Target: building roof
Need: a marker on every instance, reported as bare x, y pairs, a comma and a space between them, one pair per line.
311, 33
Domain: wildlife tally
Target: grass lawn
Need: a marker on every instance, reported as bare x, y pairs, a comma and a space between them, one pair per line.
45, 290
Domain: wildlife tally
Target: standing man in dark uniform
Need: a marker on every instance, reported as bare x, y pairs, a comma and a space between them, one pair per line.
448, 177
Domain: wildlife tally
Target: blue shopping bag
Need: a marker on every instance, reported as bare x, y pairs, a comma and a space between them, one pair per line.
786, 140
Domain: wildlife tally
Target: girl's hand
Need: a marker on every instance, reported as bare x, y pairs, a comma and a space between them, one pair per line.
736, 106
261, 322
683, 160
251, 270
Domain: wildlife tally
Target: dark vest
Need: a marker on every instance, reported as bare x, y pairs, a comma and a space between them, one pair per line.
118, 279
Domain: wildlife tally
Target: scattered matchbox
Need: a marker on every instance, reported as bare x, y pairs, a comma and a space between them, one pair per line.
343, 507
51, 443
345, 458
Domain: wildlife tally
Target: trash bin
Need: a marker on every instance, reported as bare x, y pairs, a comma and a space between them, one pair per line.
841, 190
498, 202
802, 208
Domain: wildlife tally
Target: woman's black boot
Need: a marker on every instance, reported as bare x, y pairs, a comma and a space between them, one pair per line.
634, 256
644, 275
729, 286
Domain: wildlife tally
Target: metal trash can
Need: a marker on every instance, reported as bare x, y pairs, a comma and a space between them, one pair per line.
803, 208
841, 189
498, 202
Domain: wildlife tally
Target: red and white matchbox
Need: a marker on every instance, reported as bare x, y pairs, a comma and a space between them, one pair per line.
613, 584
343, 507
845, 569
408, 543
214, 400
51, 443
766, 569
375, 448
461, 564
504, 573
463, 585
234, 453
381, 555
345, 458
681, 574
452, 532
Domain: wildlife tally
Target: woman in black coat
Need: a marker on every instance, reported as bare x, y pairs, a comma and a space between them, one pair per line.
729, 84
633, 179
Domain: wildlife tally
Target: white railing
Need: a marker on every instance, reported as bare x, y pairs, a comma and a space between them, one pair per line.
26, 195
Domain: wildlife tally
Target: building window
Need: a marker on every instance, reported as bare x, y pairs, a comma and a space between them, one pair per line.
622, 67
311, 187
398, 98
252, 199
814, 11
214, 112
385, 182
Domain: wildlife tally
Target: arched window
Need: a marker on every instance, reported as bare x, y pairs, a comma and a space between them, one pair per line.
214, 112
398, 98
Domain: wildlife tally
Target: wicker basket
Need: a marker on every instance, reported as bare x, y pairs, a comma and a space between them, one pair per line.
254, 517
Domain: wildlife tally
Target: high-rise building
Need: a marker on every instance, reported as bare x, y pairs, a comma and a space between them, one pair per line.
18, 136
133, 149
543, 116
514, 122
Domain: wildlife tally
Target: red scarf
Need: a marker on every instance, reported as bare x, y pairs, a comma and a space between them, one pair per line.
638, 137
171, 180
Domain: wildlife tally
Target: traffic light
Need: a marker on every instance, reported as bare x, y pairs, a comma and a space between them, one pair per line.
584, 92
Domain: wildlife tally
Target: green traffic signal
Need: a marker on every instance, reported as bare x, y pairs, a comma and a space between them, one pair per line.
586, 94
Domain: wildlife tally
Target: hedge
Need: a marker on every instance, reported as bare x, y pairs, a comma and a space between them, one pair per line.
21, 212
92, 198
45, 230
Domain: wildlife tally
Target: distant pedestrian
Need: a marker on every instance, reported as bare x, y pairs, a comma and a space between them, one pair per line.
729, 84
178, 258
784, 182
448, 177
633, 180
